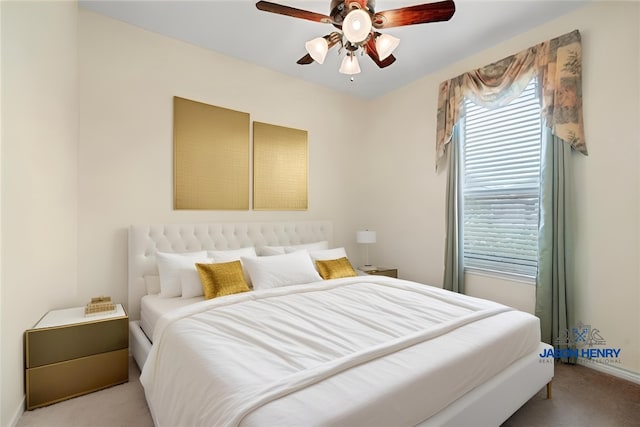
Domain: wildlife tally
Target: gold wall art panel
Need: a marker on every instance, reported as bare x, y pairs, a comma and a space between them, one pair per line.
280, 163
211, 157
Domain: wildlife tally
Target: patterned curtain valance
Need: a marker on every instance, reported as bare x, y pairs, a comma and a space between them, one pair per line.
558, 65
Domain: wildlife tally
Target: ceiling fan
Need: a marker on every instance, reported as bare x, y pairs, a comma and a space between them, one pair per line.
357, 23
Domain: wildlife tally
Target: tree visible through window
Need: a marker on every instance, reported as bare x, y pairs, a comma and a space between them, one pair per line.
500, 179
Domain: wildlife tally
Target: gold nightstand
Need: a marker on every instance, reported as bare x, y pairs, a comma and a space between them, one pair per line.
68, 354
380, 271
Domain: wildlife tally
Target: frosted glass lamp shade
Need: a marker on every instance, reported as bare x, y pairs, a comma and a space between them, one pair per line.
357, 26
385, 45
350, 65
317, 48
366, 236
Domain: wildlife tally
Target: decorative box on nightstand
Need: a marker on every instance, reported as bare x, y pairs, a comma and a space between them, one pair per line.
380, 271
68, 354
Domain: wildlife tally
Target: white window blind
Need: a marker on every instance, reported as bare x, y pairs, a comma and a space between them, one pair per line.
501, 184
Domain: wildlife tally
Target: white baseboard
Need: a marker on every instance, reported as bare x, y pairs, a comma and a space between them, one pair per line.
18, 413
610, 369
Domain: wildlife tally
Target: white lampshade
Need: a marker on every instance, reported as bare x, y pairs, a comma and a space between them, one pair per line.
385, 45
357, 26
350, 65
317, 48
366, 236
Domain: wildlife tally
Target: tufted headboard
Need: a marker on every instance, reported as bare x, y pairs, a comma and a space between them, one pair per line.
146, 240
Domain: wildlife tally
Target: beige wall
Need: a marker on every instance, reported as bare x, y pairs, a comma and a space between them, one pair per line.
127, 80
39, 182
607, 183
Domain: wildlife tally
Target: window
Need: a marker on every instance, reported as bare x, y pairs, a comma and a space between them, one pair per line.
500, 179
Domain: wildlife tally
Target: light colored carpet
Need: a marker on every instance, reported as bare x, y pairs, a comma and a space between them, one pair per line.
119, 406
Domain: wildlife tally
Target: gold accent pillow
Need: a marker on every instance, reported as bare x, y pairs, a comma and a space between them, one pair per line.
335, 268
223, 278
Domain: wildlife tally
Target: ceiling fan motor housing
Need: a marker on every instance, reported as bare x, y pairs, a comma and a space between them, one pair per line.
340, 9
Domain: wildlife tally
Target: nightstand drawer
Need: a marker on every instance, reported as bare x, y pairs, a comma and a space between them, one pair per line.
58, 344
52, 383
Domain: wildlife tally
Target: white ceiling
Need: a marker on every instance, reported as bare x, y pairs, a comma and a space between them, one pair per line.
237, 28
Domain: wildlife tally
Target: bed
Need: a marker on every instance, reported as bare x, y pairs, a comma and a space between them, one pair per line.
364, 350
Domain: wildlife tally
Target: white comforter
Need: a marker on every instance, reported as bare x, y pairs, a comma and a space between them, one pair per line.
358, 351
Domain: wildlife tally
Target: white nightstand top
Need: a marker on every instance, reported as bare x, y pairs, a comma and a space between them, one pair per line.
70, 316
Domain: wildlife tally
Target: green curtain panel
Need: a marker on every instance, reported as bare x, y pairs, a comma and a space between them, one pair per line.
454, 268
554, 290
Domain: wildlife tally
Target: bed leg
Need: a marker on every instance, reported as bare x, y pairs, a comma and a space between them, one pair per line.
549, 390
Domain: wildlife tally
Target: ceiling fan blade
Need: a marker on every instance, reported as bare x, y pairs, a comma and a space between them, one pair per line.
420, 14
292, 11
372, 51
305, 60
383, 64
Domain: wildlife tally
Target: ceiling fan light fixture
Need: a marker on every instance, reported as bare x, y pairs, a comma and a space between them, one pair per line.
350, 65
385, 45
317, 48
357, 26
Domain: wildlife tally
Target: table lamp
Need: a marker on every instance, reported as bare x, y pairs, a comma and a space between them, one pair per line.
366, 237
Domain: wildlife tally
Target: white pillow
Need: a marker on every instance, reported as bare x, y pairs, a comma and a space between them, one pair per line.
171, 266
190, 282
281, 270
234, 255
281, 250
271, 250
316, 246
328, 254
